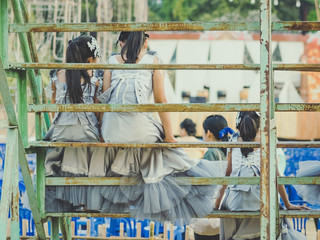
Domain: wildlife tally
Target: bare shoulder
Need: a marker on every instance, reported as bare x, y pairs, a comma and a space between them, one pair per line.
61, 75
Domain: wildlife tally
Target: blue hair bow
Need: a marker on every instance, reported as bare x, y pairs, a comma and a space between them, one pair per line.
225, 131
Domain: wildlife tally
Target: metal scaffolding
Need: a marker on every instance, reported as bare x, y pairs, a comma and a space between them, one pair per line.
17, 141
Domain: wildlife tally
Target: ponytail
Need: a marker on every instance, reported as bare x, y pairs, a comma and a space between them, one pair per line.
77, 52
248, 131
132, 47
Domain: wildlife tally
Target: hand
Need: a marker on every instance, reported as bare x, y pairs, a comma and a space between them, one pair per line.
217, 203
170, 139
297, 207
101, 138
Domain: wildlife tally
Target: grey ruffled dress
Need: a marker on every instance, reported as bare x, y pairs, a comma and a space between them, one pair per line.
70, 162
158, 196
247, 198
309, 193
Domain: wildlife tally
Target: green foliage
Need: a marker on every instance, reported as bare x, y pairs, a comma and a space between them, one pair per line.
208, 10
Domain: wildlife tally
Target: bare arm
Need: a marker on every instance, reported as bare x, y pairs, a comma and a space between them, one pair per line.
228, 173
159, 97
285, 199
53, 98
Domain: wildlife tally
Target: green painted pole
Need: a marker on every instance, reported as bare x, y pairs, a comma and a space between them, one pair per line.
26, 51
14, 227
65, 226
4, 32
268, 185
55, 228
6, 192
22, 106
41, 180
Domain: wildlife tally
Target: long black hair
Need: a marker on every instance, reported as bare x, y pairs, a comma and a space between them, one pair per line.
248, 126
189, 126
214, 124
133, 45
78, 51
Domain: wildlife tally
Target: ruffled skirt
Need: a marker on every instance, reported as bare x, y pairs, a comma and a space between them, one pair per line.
247, 198
309, 193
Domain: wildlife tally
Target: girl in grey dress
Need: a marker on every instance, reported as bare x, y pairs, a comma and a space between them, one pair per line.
245, 162
309, 193
72, 86
158, 196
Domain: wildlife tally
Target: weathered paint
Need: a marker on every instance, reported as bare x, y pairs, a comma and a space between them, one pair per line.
185, 107
250, 67
213, 214
267, 175
4, 32
55, 228
40, 180
6, 191
134, 66
25, 50
65, 226
161, 26
6, 98
107, 181
298, 144
30, 191
4, 124
145, 145
14, 226
22, 106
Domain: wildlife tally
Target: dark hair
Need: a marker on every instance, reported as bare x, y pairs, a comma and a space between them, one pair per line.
248, 127
78, 51
214, 124
189, 126
133, 44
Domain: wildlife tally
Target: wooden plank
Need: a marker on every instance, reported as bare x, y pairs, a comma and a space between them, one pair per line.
162, 26
6, 191
170, 107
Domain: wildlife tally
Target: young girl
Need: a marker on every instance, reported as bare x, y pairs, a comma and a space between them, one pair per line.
77, 87
309, 193
158, 196
245, 162
187, 134
215, 129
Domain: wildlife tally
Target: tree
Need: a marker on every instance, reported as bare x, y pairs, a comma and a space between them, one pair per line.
208, 10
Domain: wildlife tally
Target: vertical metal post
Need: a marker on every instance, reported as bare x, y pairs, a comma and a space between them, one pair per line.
22, 106
4, 32
41, 180
267, 128
26, 51
6, 193
65, 226
14, 227
55, 228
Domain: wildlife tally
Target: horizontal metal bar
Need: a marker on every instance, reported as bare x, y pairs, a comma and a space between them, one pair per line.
161, 26
289, 144
106, 181
134, 66
276, 67
214, 214
186, 107
144, 145
101, 181
298, 180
